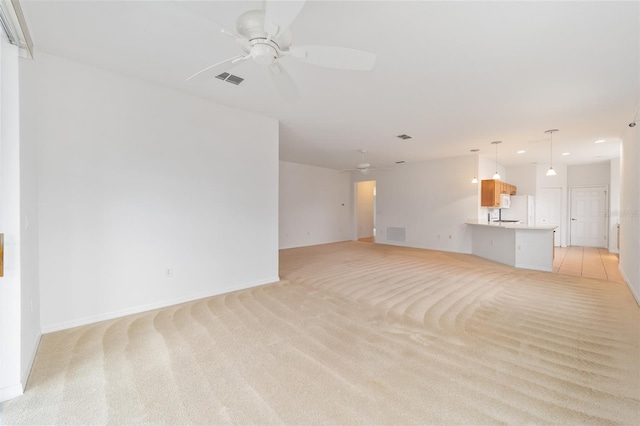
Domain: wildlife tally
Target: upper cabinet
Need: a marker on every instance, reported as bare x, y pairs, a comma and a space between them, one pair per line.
491, 190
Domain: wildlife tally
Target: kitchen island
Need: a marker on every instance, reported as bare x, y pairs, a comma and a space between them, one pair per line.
514, 244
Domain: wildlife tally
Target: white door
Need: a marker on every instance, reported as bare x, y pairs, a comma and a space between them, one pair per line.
588, 216
549, 210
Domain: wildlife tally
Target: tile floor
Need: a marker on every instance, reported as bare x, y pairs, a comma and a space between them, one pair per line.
589, 262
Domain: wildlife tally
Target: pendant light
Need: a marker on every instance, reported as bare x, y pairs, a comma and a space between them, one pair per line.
496, 175
551, 172
475, 164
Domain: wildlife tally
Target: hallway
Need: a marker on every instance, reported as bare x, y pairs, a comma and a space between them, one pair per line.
588, 262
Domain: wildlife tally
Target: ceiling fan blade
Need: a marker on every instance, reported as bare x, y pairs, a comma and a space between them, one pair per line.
278, 15
342, 58
284, 83
217, 69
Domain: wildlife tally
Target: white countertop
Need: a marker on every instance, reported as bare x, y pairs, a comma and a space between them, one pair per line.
509, 225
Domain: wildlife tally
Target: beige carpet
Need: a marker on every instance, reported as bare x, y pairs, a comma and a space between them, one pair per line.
358, 334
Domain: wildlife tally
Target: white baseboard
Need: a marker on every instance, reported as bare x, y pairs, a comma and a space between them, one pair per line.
10, 392
16, 390
151, 306
26, 368
628, 283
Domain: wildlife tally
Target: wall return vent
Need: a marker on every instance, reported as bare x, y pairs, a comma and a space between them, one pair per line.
396, 234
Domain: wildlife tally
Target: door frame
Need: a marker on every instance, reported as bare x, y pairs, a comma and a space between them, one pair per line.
606, 211
355, 208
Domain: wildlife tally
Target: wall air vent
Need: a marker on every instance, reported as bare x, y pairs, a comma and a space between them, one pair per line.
403, 137
230, 78
396, 234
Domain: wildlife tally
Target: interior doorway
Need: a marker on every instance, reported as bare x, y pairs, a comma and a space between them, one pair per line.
588, 213
365, 214
549, 211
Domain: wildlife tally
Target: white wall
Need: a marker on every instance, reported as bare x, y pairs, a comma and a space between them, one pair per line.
630, 209
10, 301
137, 180
29, 239
315, 205
614, 205
594, 174
364, 208
524, 178
431, 200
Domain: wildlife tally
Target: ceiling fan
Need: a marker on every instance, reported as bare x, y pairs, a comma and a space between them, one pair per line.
264, 37
362, 167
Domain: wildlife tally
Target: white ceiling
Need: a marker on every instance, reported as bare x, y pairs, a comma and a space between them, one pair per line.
453, 75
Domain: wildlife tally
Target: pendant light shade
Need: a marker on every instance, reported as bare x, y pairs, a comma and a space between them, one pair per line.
475, 164
551, 172
496, 174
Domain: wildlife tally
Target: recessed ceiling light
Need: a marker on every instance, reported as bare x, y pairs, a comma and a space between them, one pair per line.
522, 151
600, 141
566, 153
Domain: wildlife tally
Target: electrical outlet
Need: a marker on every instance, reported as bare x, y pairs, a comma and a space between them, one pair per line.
169, 272
450, 237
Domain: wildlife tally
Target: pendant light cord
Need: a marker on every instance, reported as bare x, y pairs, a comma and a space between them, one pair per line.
551, 172
551, 150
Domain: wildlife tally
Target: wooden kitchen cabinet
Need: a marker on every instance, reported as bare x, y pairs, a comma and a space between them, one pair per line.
491, 190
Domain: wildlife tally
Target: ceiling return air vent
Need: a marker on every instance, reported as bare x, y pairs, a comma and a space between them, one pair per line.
230, 78
403, 137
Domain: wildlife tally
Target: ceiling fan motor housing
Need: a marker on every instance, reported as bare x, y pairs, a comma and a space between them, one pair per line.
263, 49
263, 53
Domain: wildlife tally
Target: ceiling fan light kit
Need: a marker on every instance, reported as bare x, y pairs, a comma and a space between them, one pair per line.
265, 38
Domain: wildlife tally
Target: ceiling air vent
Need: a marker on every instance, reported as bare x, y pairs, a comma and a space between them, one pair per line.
230, 78
404, 137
